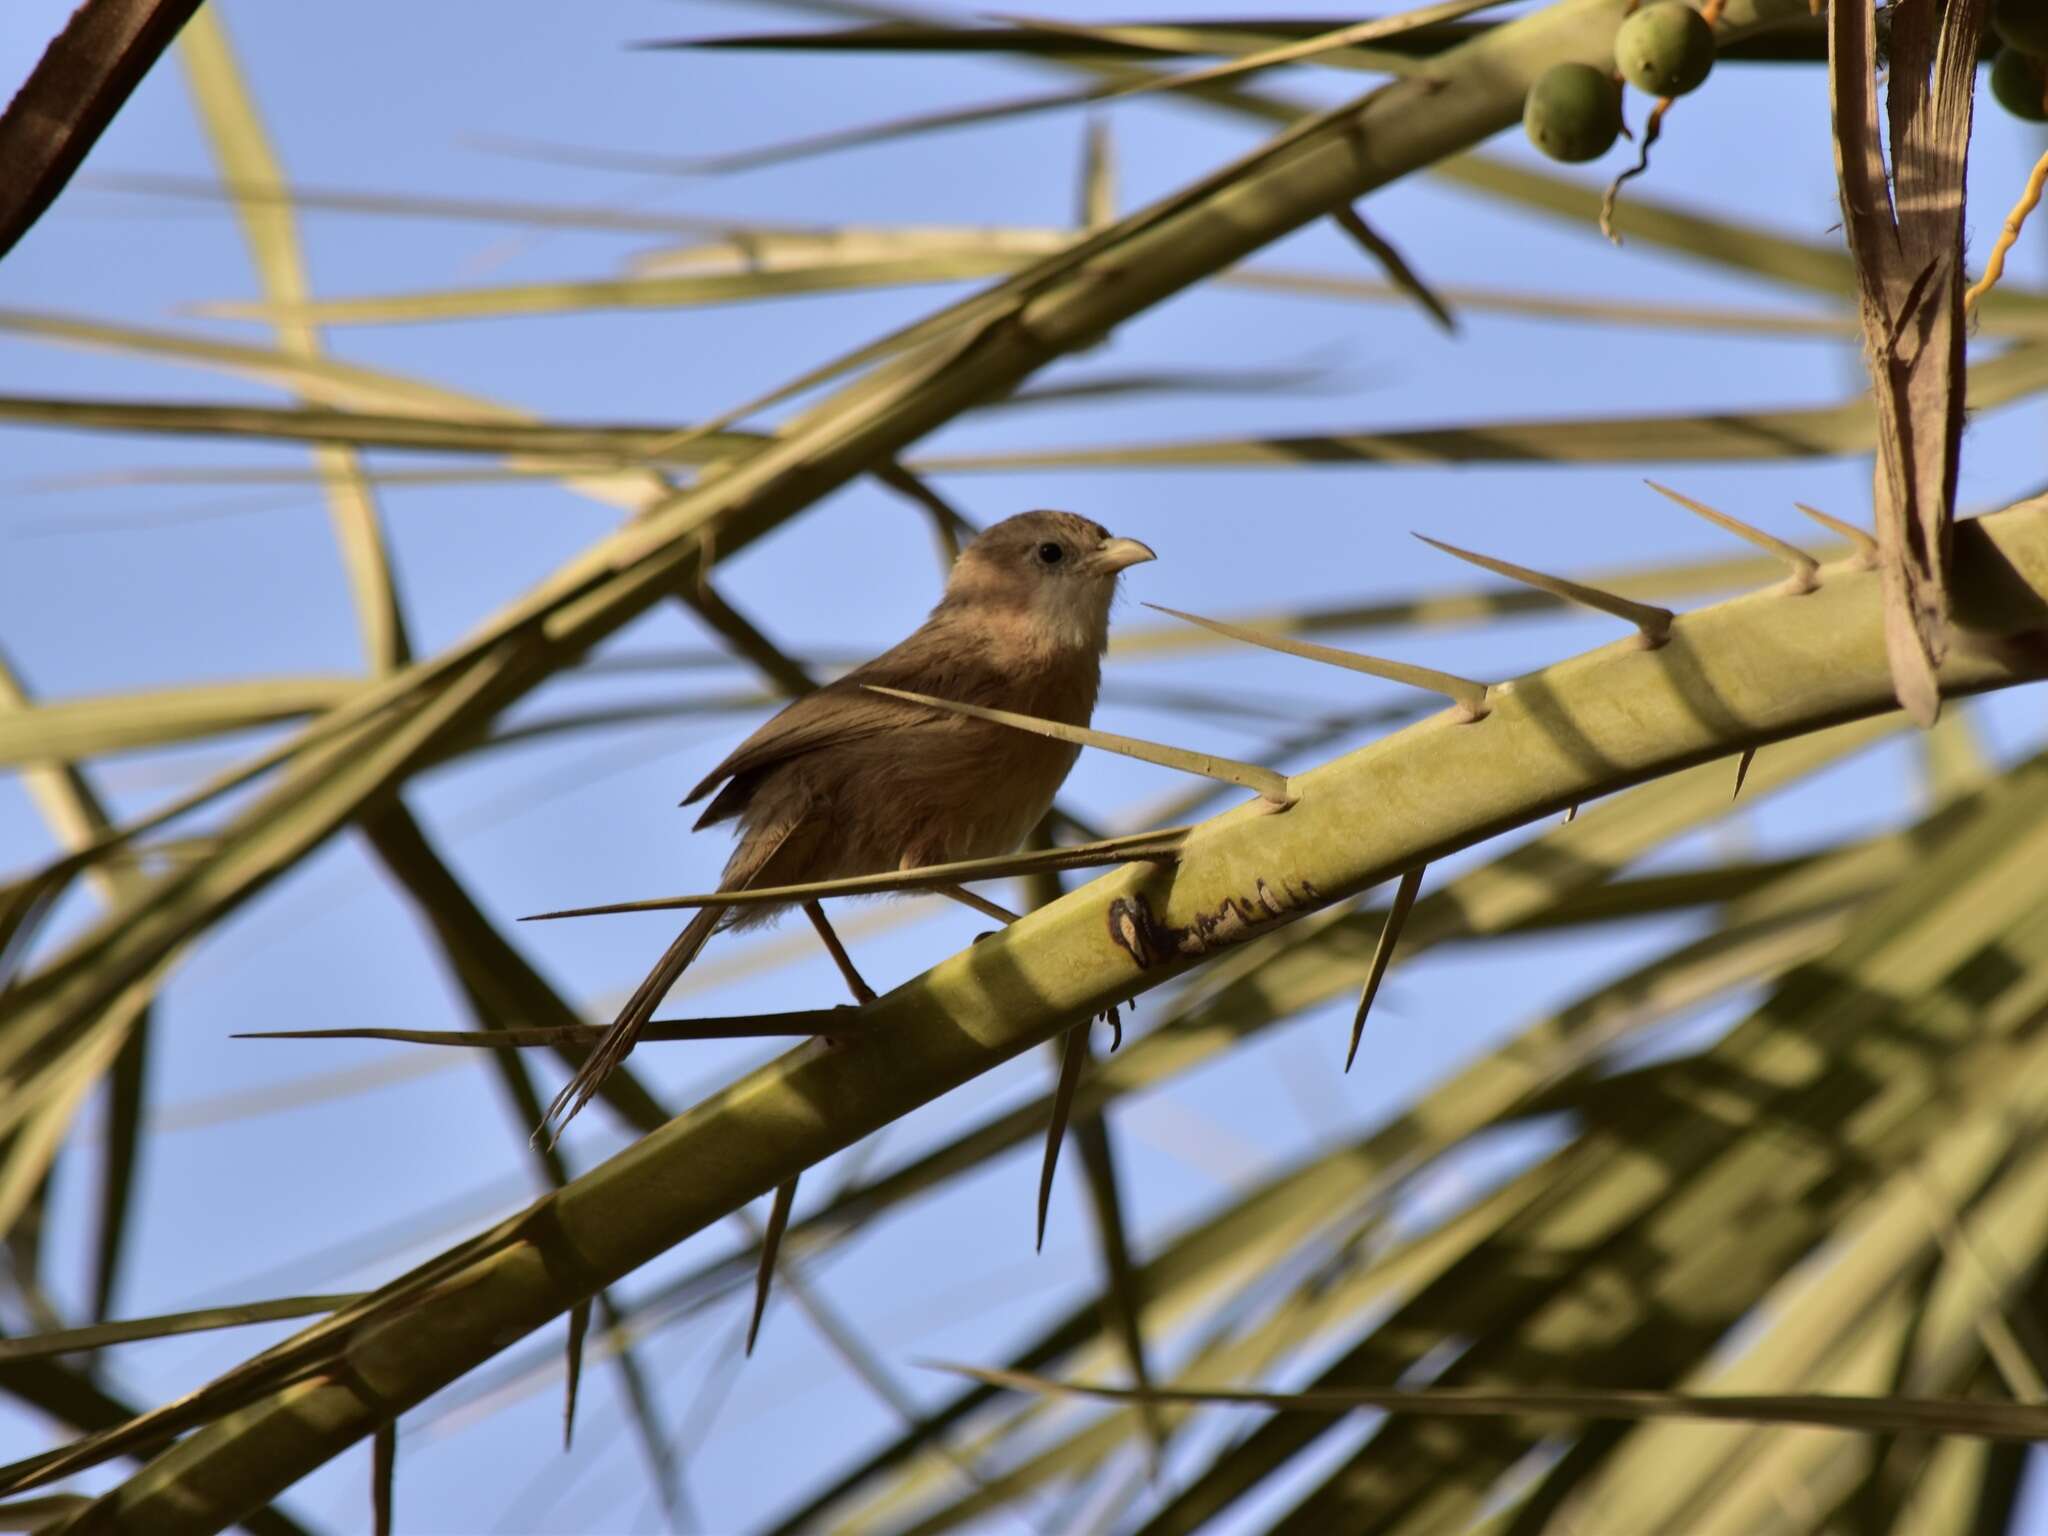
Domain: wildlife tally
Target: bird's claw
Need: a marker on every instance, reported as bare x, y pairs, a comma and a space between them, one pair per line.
841, 1042
1115, 1021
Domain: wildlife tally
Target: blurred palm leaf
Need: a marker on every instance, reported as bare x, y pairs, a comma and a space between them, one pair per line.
1809, 432
78, 85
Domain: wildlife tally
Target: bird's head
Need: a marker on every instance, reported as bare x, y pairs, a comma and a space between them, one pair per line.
1056, 570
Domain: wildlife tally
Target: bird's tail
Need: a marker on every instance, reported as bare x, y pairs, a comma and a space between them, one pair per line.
618, 1041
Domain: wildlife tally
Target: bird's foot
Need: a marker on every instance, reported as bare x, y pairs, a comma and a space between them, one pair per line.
845, 1042
1115, 1021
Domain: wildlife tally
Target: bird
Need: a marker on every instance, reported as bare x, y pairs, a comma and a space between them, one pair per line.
846, 781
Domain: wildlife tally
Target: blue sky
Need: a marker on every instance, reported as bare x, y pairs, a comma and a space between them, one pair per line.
120, 588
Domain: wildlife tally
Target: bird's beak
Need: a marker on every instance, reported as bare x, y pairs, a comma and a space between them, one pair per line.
1120, 554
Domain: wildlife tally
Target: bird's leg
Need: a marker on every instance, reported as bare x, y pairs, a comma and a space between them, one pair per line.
862, 992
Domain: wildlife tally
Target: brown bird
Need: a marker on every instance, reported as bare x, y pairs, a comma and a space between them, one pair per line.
845, 781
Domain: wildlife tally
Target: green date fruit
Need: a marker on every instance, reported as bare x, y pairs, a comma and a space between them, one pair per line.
1664, 49
2020, 82
1573, 113
2022, 24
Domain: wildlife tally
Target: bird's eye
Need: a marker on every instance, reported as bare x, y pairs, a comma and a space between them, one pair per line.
1050, 553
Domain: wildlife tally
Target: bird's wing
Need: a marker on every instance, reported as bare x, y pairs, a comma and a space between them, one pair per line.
826, 718
842, 711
